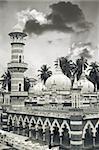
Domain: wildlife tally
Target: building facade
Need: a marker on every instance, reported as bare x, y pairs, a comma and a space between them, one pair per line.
55, 113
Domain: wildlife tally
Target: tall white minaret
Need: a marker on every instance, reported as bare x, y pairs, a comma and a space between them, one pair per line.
17, 66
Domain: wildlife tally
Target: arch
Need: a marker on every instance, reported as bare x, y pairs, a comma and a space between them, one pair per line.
9, 117
20, 58
47, 121
67, 126
20, 119
96, 126
20, 87
55, 122
15, 118
39, 121
89, 123
26, 119
32, 120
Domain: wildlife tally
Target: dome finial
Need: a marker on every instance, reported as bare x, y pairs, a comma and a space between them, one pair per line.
57, 66
75, 85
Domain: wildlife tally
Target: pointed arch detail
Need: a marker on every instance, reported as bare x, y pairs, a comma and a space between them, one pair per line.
89, 123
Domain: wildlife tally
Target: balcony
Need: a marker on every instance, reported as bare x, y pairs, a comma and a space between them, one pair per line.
17, 65
18, 93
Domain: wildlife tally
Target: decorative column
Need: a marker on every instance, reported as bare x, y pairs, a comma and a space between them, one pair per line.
44, 136
51, 138
61, 136
18, 130
93, 141
36, 134
76, 130
23, 131
29, 132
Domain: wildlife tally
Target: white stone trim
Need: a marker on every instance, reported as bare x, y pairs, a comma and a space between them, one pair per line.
76, 142
4, 114
4, 126
5, 120
76, 122
15, 79
76, 132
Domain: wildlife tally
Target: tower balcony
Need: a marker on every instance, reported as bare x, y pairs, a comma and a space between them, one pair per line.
17, 66
19, 93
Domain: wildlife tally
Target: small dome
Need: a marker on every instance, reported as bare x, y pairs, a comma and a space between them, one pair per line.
17, 28
85, 84
38, 88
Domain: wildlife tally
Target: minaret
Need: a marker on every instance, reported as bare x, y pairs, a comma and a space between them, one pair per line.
17, 66
76, 95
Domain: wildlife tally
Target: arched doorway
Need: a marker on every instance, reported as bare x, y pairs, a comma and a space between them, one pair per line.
40, 132
27, 128
20, 59
20, 127
65, 137
15, 127
56, 136
47, 133
19, 86
97, 136
10, 128
88, 141
32, 128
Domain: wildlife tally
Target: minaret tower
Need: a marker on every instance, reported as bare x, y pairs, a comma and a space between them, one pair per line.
17, 66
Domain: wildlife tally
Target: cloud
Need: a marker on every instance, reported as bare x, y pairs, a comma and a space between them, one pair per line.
81, 49
64, 17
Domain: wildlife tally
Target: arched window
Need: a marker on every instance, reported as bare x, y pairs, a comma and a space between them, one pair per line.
20, 59
19, 87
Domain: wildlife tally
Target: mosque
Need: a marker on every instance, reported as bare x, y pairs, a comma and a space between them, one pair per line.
55, 113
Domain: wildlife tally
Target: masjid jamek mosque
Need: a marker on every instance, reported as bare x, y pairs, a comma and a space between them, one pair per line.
53, 114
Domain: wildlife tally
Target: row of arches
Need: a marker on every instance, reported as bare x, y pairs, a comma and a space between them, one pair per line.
50, 132
90, 134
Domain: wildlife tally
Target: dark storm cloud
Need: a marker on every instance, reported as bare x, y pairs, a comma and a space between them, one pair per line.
64, 16
33, 26
85, 53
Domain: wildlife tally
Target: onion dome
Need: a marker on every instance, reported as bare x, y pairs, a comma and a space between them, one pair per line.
39, 88
61, 81
85, 84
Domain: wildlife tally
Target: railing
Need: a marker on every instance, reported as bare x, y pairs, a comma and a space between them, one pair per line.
22, 93
41, 112
18, 65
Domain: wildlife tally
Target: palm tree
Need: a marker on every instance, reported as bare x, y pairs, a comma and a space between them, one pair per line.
7, 80
94, 74
45, 73
66, 66
81, 64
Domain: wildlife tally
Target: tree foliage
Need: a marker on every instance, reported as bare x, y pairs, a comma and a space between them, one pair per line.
45, 73
6, 80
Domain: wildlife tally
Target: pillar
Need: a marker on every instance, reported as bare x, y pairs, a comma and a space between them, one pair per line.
94, 141
43, 136
52, 139
36, 134
18, 130
61, 139
29, 132
76, 132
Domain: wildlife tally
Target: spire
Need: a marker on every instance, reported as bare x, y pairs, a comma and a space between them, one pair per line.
75, 85
57, 67
83, 75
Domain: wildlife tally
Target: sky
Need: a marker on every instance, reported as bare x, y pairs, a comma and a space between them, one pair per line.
51, 32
